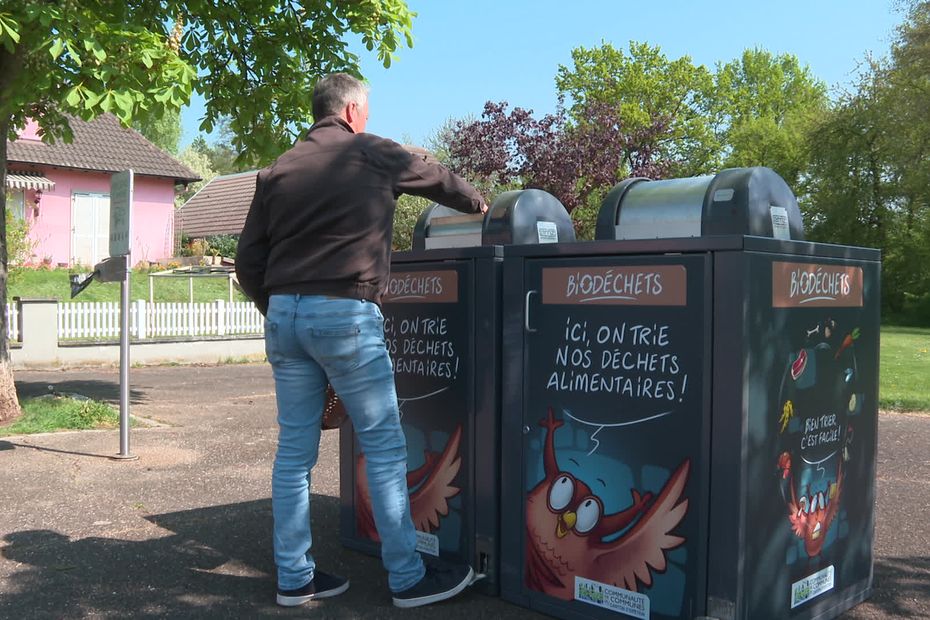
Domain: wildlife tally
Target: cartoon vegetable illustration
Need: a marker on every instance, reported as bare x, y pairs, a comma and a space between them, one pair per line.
847, 342
787, 413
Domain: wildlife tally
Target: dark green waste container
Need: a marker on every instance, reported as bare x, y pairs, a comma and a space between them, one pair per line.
692, 420
442, 326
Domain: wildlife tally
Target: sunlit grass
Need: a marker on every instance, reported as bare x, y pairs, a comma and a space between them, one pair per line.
54, 284
46, 414
904, 383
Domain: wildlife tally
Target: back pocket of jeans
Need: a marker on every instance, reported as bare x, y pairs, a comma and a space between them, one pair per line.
271, 341
336, 348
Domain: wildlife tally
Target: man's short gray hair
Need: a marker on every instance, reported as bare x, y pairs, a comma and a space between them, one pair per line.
333, 92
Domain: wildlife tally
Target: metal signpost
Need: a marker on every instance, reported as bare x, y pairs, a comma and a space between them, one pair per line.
121, 190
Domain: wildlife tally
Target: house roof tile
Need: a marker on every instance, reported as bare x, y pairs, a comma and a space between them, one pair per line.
102, 145
220, 207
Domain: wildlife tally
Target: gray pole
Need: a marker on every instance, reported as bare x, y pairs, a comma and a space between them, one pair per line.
124, 452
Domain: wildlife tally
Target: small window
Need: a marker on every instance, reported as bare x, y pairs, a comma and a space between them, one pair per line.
16, 203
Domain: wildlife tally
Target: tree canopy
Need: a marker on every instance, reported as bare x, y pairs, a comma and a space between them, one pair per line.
164, 132
762, 107
571, 161
253, 61
868, 182
637, 113
639, 88
858, 164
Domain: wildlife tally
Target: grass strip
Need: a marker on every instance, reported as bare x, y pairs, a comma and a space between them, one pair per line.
51, 413
904, 381
54, 284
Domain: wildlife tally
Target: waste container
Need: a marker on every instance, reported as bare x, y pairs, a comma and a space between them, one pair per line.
744, 201
794, 440
521, 217
692, 419
442, 328
606, 408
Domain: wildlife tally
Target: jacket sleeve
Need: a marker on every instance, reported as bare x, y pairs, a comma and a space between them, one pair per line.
425, 176
252, 252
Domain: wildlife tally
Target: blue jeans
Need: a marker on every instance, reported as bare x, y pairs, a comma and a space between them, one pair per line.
309, 339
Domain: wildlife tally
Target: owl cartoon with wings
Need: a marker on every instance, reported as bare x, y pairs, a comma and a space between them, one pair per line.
568, 533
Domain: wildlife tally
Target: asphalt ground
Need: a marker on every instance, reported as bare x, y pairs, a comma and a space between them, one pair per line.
185, 530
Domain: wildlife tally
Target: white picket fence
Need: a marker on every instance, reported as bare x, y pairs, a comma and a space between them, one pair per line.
100, 320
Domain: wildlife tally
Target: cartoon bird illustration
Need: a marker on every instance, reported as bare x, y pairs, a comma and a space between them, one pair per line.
430, 488
810, 515
566, 527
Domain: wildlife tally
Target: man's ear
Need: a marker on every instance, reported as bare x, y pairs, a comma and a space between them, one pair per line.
354, 116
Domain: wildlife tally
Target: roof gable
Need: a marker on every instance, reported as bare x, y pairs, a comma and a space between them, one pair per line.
220, 207
102, 145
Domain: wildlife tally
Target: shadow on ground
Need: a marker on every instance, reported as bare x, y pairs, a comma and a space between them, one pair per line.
212, 562
897, 585
216, 562
92, 388
24, 445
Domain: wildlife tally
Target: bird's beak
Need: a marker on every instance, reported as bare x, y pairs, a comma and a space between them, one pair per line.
568, 519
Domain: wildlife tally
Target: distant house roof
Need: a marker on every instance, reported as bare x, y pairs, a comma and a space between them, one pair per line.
220, 207
101, 145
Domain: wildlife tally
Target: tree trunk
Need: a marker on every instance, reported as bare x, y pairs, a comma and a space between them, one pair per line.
9, 403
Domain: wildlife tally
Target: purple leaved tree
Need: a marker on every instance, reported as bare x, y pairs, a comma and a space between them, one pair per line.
570, 161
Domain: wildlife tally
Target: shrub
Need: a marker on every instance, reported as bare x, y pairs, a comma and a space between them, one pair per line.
199, 247
915, 311
405, 219
223, 245
19, 245
184, 245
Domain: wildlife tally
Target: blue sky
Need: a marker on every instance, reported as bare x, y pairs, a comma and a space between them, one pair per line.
469, 52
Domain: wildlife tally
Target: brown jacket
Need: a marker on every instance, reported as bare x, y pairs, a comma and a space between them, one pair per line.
321, 219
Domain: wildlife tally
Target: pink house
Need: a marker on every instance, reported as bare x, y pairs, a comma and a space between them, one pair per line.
63, 191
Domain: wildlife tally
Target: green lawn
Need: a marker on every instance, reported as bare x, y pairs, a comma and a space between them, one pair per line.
54, 284
905, 369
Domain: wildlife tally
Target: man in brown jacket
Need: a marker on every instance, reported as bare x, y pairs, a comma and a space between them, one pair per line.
314, 255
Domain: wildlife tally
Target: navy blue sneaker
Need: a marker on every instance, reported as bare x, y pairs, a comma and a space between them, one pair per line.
323, 585
441, 581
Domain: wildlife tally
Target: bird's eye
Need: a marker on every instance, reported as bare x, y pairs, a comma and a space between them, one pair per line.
589, 513
561, 492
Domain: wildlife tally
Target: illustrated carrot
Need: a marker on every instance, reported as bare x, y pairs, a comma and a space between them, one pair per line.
847, 342
784, 463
